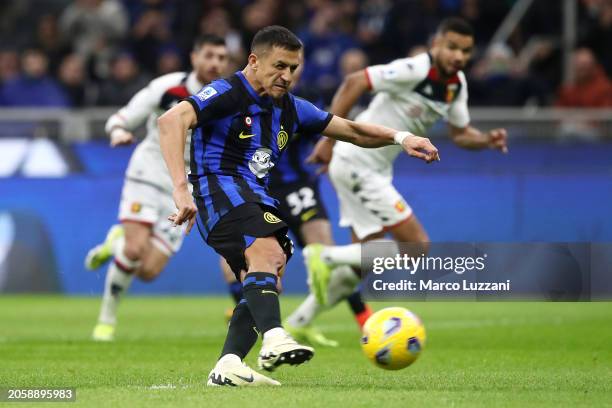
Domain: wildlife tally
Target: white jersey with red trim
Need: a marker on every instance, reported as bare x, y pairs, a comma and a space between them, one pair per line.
147, 163
409, 96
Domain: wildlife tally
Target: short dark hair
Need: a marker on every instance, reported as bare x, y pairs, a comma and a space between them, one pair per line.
276, 36
456, 25
205, 39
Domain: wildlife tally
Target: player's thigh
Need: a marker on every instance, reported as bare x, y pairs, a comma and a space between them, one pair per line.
413, 235
137, 236
139, 213
409, 230
317, 231
226, 270
153, 263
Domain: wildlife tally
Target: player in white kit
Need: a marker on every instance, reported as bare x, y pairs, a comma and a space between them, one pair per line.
410, 94
145, 240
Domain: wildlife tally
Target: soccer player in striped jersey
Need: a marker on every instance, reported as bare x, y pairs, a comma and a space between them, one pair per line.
240, 127
145, 240
410, 94
295, 184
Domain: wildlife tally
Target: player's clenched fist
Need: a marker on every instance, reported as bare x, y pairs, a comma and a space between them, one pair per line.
498, 140
121, 137
186, 207
416, 146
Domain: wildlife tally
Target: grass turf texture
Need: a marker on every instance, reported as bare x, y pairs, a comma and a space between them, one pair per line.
477, 354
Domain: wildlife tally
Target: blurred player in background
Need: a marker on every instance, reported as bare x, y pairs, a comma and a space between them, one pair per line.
241, 126
145, 240
410, 94
295, 184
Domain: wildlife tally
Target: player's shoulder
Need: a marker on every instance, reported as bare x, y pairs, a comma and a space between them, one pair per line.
419, 64
214, 89
407, 69
297, 102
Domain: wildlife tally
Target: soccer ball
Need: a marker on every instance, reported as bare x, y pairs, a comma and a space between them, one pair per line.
393, 338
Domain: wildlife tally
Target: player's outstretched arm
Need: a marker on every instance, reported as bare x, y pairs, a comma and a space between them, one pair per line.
173, 126
370, 136
471, 138
353, 86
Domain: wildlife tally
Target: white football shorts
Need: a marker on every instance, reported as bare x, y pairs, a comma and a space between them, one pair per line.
369, 203
147, 204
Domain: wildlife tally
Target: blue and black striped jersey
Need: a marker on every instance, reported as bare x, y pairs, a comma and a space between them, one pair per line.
238, 139
292, 166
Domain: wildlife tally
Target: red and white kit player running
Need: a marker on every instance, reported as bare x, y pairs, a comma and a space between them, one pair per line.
410, 94
145, 240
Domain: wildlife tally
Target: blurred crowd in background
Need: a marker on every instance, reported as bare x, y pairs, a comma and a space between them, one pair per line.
79, 53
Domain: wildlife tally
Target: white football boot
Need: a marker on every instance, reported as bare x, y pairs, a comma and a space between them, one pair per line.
282, 349
232, 372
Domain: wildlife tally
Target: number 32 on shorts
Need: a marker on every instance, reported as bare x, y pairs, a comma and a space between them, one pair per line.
300, 200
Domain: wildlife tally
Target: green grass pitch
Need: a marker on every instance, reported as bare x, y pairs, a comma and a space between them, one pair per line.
478, 354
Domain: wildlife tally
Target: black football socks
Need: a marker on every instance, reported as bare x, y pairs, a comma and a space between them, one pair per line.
241, 334
259, 290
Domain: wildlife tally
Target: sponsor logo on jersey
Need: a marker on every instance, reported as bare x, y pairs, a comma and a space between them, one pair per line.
136, 207
245, 136
271, 218
206, 93
282, 138
261, 162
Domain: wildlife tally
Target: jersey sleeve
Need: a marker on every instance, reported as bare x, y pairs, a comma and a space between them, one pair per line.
458, 114
311, 120
142, 104
210, 101
395, 76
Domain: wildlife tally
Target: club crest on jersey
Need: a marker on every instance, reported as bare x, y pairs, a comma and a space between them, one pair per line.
271, 218
282, 138
206, 93
261, 162
248, 121
136, 207
400, 206
450, 92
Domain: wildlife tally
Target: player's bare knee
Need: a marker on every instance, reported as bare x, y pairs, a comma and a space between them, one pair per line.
148, 274
266, 260
135, 250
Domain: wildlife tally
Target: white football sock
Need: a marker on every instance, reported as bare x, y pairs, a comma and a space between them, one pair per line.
117, 282
341, 284
342, 255
305, 313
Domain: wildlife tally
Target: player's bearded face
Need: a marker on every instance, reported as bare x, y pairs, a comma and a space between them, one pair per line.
452, 51
276, 70
209, 62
